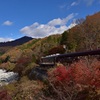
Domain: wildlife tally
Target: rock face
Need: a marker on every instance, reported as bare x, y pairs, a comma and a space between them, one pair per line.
38, 74
7, 77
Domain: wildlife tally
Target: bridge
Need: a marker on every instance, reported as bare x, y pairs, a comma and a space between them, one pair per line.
40, 72
51, 60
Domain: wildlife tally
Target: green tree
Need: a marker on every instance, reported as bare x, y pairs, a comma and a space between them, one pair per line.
64, 38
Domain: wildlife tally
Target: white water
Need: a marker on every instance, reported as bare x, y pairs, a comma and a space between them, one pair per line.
7, 77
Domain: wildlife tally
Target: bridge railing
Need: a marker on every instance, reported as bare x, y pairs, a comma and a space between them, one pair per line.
68, 58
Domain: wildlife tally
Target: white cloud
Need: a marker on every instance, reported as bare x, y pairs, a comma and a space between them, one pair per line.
7, 23
72, 25
89, 2
55, 26
74, 3
60, 21
5, 39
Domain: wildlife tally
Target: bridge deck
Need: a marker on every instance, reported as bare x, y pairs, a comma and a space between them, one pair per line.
52, 60
46, 64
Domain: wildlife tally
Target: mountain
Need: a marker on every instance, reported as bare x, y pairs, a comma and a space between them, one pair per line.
16, 42
6, 46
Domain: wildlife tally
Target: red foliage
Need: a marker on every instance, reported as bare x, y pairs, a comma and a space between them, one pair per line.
61, 73
82, 74
23, 60
78, 73
4, 95
96, 79
87, 75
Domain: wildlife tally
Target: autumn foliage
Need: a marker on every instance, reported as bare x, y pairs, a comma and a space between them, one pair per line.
58, 49
22, 63
79, 73
84, 36
4, 95
76, 79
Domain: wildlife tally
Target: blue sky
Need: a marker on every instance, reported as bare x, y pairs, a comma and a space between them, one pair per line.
40, 18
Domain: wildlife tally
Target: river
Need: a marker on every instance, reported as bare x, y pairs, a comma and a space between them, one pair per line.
7, 77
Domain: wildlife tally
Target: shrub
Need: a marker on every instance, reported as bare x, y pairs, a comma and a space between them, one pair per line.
79, 81
22, 63
4, 95
58, 49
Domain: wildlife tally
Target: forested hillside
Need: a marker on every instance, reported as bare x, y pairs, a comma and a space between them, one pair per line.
29, 52
84, 36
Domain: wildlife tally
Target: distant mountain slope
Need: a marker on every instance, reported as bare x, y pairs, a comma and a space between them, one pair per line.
16, 42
